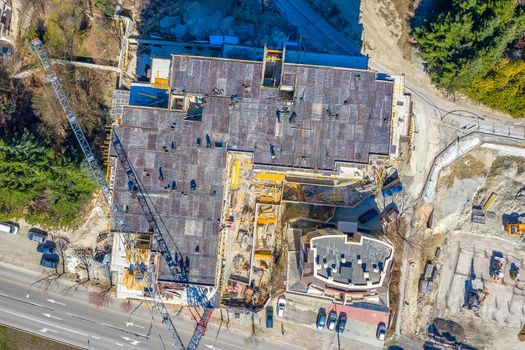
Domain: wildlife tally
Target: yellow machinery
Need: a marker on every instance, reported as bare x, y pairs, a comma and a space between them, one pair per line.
514, 230
160, 83
266, 199
235, 175
492, 198
266, 220
269, 176
262, 254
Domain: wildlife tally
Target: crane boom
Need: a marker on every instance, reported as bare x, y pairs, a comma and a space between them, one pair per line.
99, 177
196, 296
79, 134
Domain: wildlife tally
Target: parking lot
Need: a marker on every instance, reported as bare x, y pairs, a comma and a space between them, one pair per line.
303, 310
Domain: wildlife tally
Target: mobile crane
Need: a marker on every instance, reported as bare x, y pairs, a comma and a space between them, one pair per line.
196, 295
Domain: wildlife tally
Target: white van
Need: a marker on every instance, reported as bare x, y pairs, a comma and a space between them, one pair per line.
8, 228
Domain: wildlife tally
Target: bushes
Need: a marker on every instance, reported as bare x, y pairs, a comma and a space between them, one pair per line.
503, 88
465, 45
35, 185
65, 27
106, 7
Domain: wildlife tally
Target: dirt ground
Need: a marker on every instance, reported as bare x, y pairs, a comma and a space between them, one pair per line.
503, 308
13, 247
466, 183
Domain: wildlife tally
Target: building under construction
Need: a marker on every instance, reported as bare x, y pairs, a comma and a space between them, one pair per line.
178, 130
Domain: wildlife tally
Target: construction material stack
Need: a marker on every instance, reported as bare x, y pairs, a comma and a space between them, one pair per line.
496, 267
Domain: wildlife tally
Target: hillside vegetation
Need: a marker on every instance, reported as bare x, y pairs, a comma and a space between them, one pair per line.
42, 170
473, 47
38, 185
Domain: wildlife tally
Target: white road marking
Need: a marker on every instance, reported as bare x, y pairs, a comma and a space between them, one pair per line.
119, 344
45, 330
95, 337
132, 341
53, 301
51, 316
212, 347
129, 324
32, 319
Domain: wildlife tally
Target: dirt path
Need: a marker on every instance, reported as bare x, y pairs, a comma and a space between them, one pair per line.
385, 41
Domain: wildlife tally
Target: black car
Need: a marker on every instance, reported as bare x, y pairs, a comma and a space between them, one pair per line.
341, 323
321, 319
369, 215
48, 247
37, 235
49, 261
269, 317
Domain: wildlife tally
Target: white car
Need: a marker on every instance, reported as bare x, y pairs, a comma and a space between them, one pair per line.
281, 303
8, 228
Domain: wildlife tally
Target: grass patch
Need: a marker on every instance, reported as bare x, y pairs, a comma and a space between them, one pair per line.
13, 339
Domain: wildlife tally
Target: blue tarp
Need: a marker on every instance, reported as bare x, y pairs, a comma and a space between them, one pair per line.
325, 59
147, 96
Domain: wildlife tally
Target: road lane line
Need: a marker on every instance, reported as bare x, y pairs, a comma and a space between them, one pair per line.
32, 319
26, 302
126, 331
95, 337
51, 316
119, 344
80, 317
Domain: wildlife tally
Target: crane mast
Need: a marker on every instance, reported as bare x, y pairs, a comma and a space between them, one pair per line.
117, 217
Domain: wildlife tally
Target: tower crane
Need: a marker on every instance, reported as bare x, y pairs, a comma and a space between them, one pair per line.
196, 295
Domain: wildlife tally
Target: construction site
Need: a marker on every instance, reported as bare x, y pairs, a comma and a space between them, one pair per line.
472, 259
223, 147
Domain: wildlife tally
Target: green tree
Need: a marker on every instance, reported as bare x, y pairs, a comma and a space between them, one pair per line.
464, 50
503, 88
36, 185
465, 42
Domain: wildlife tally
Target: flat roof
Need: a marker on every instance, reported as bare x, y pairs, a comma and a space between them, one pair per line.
340, 115
348, 262
159, 141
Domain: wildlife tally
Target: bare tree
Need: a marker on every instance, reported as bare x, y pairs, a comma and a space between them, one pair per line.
256, 333
126, 305
101, 298
85, 255
62, 244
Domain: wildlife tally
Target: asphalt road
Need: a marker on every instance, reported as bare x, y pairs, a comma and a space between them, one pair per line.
73, 320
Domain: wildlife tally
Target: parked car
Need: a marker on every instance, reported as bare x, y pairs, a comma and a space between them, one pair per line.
332, 320
321, 318
49, 260
281, 303
390, 215
48, 247
269, 317
37, 235
381, 331
341, 324
8, 228
369, 215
